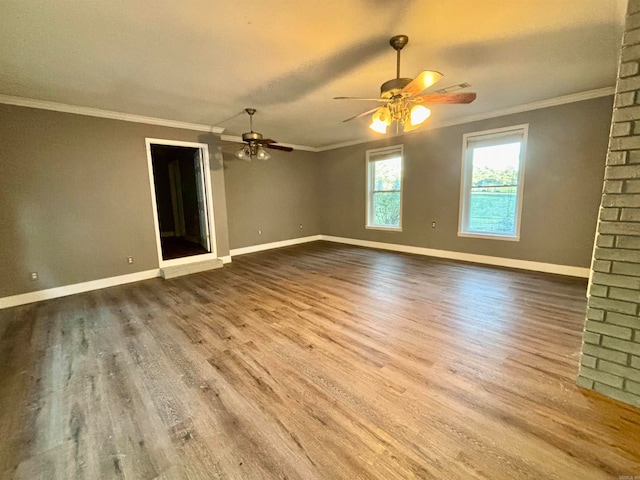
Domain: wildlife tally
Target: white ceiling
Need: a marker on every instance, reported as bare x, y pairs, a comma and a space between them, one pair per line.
204, 61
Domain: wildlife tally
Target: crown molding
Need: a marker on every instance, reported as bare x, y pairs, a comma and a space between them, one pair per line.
551, 102
237, 139
128, 117
96, 112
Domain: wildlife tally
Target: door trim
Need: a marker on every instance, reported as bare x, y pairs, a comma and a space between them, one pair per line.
204, 156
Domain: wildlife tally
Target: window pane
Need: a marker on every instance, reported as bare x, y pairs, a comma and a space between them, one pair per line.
494, 189
386, 209
384, 187
493, 210
496, 165
387, 174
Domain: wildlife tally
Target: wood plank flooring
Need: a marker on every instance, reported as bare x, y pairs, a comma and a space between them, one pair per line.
319, 361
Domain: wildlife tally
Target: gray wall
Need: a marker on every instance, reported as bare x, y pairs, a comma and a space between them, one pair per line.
564, 171
75, 198
275, 196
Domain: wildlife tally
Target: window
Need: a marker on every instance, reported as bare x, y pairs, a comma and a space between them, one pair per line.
492, 179
384, 188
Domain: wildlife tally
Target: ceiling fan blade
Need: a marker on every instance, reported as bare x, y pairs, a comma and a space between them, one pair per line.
446, 98
423, 81
279, 147
361, 98
269, 143
360, 115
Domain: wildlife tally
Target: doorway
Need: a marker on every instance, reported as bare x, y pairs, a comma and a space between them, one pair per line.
182, 201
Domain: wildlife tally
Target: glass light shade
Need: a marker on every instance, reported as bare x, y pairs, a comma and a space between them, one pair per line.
419, 114
382, 115
244, 153
378, 126
262, 154
381, 120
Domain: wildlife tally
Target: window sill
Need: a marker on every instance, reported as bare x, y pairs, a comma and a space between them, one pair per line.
489, 236
379, 227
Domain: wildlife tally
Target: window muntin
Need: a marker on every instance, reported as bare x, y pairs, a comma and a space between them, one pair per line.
492, 180
384, 188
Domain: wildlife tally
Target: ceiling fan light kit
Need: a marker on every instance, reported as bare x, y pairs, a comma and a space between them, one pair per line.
403, 104
255, 143
409, 118
252, 152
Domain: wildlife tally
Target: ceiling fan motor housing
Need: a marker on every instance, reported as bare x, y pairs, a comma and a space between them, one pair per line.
251, 137
391, 87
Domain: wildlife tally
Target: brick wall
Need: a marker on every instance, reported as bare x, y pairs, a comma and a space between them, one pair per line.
610, 362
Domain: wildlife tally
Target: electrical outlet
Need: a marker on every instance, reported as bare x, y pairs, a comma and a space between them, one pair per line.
433, 224
33, 276
259, 232
129, 260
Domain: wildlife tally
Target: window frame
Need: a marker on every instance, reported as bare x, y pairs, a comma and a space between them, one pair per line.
466, 179
370, 178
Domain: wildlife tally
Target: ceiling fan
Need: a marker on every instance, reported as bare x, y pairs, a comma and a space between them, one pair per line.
255, 143
402, 99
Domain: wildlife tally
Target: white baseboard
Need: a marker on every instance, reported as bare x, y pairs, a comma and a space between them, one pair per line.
37, 296
272, 245
66, 290
467, 257
40, 295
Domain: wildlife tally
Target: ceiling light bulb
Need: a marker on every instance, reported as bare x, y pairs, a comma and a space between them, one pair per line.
244, 153
262, 154
419, 114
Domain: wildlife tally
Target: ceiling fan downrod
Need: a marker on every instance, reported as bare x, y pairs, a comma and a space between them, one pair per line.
250, 111
251, 136
390, 88
398, 42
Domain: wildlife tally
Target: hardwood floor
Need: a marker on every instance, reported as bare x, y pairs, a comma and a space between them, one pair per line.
313, 362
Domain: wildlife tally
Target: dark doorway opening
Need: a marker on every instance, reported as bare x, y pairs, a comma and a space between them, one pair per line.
180, 199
